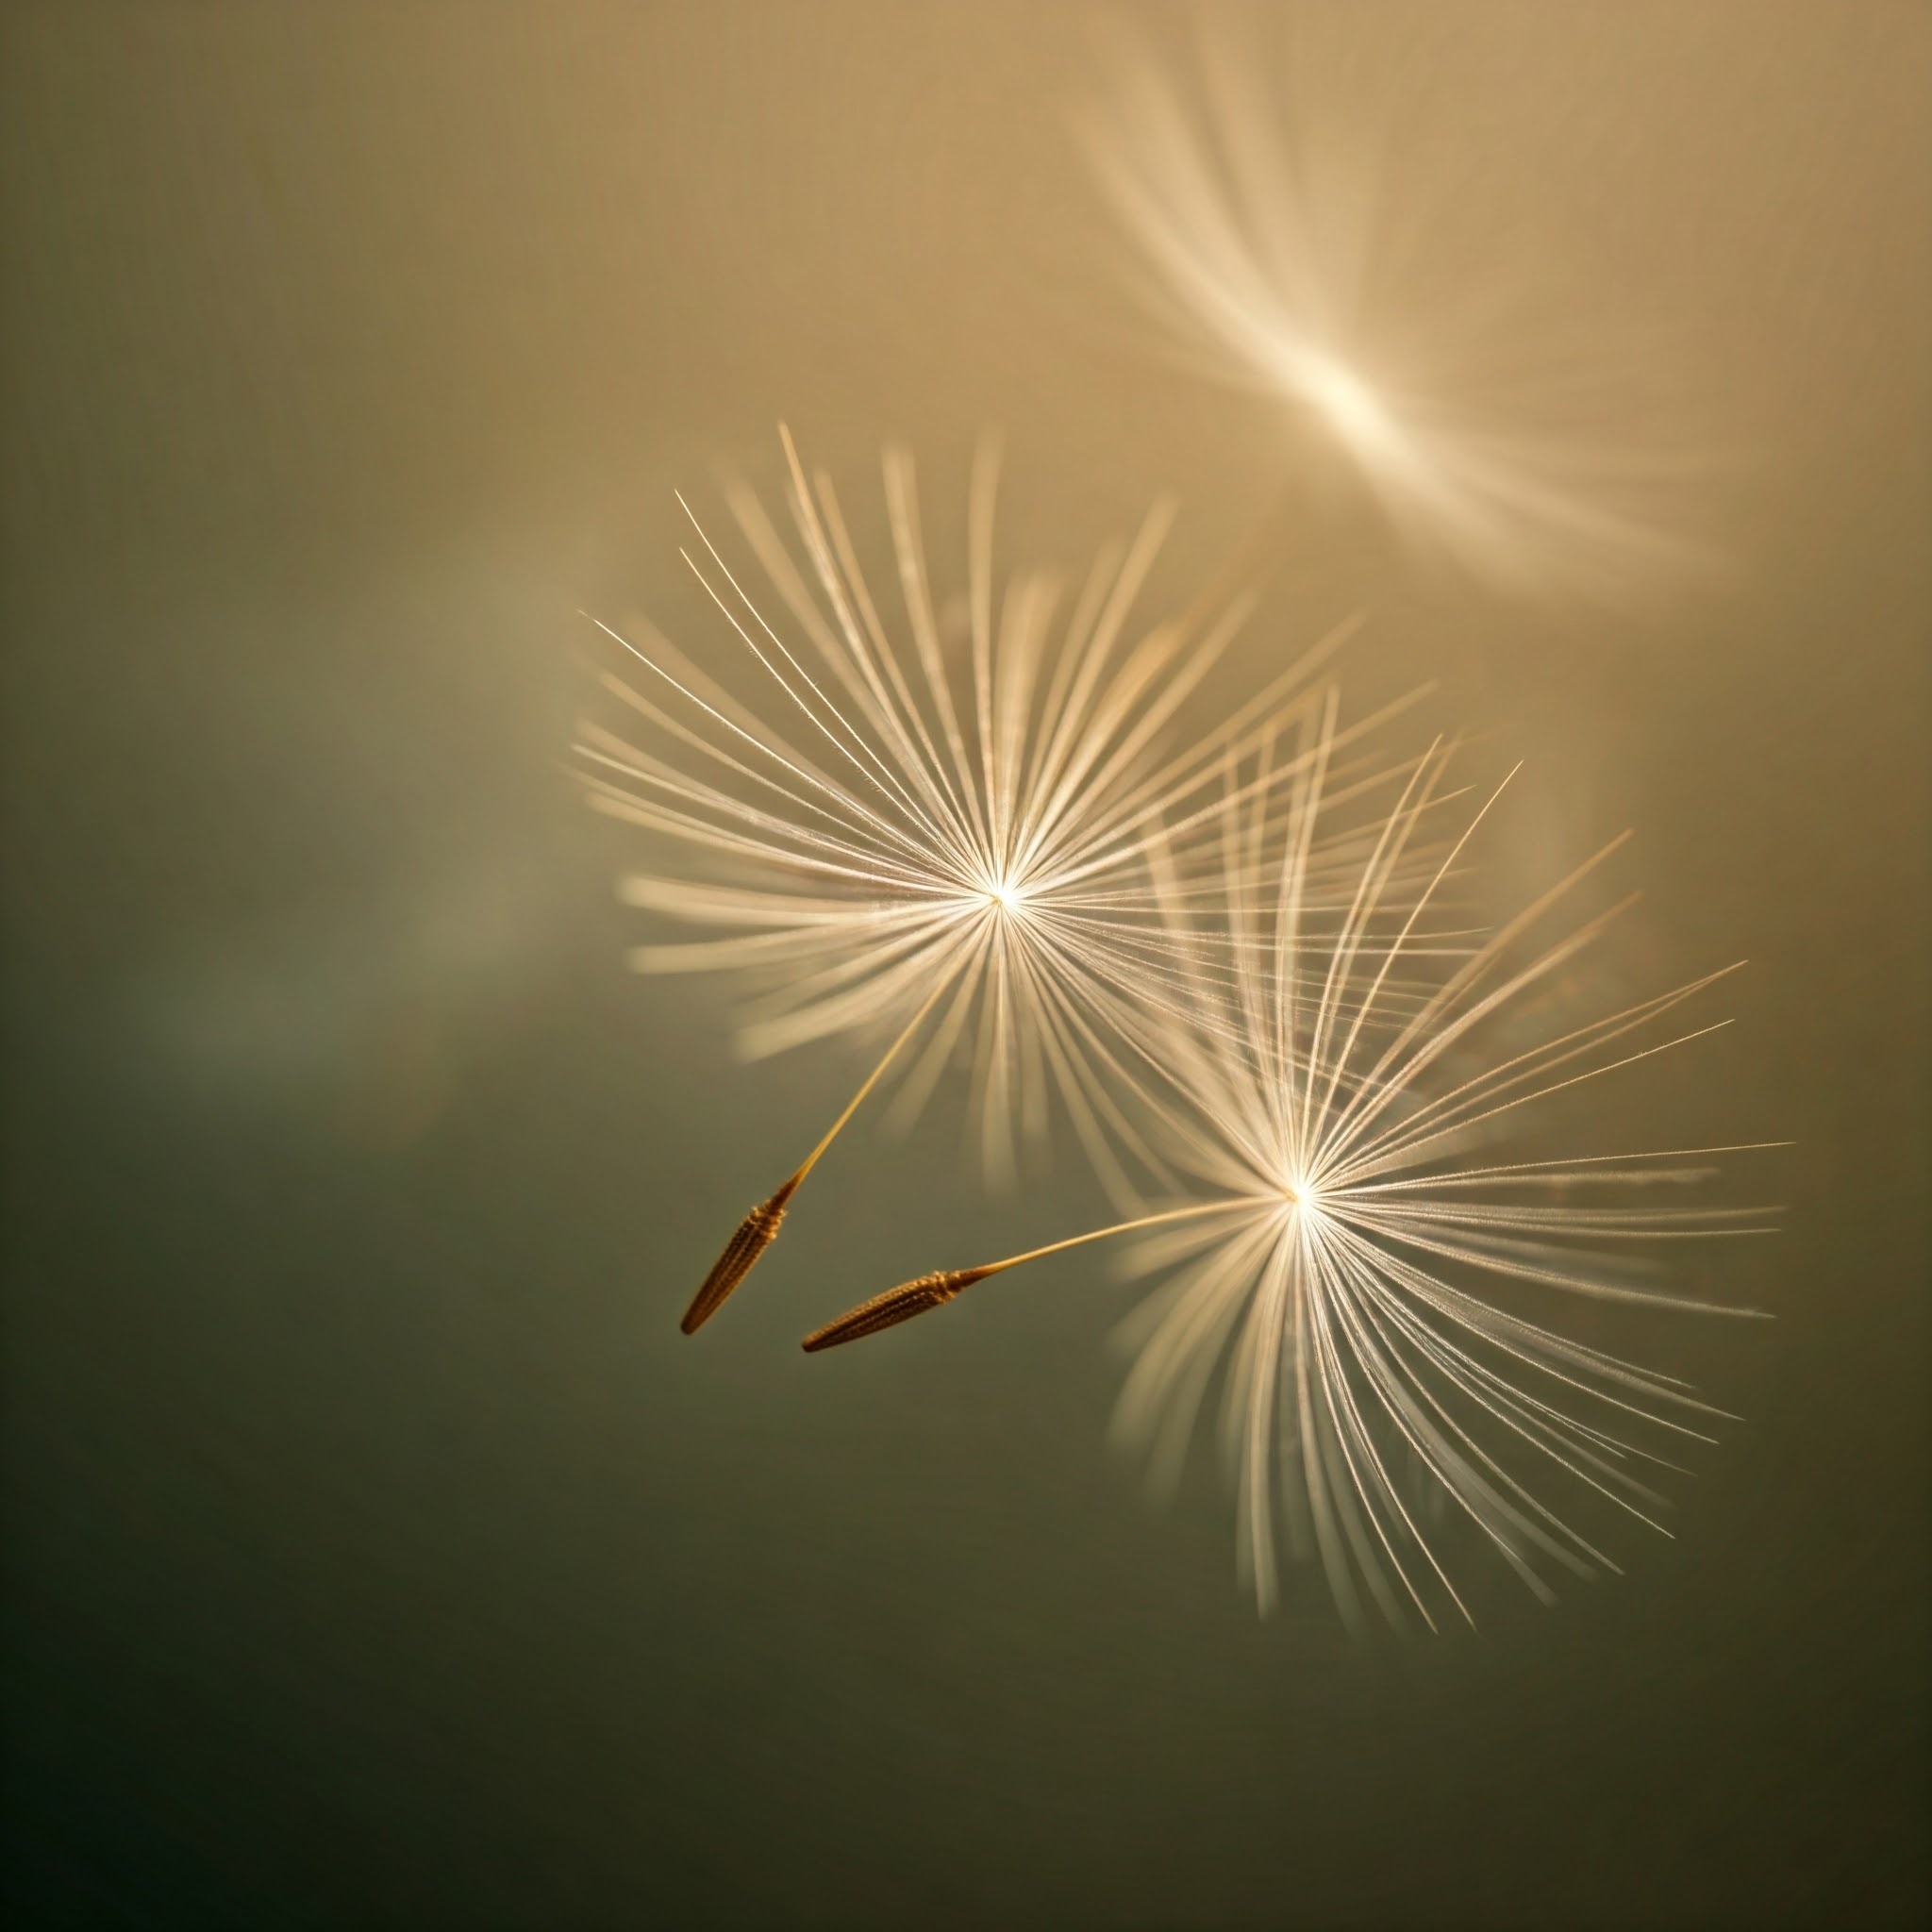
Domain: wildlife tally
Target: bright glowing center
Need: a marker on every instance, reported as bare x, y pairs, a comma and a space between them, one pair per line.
1007, 897
1348, 403
1303, 1194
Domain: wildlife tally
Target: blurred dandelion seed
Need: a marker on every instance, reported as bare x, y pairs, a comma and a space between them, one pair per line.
922, 836
1357, 1277
1267, 229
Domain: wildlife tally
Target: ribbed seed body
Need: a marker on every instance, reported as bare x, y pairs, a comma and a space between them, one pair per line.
896, 1305
754, 1234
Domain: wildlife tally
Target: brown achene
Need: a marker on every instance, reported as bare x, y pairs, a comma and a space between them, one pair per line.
759, 1228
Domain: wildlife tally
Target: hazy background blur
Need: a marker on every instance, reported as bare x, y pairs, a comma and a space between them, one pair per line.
376, 1551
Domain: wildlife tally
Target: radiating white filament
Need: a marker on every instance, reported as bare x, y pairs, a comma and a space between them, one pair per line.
856, 805
1368, 1312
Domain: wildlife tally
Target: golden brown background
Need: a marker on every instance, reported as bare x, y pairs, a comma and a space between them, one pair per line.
376, 1551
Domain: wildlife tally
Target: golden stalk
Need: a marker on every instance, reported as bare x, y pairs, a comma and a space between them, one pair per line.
935, 1290
759, 1228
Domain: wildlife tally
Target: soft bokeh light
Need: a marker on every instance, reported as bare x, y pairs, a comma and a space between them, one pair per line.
1280, 228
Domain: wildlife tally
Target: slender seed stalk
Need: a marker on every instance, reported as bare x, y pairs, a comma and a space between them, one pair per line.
759, 1228
935, 1290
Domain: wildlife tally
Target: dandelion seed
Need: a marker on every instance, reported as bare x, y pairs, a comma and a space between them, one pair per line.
877, 834
1366, 1278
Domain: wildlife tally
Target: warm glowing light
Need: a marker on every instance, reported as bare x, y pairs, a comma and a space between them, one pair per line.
1349, 405
1268, 238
